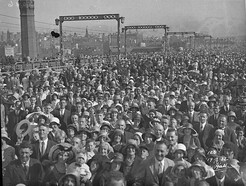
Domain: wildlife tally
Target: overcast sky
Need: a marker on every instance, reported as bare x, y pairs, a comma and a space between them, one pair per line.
213, 16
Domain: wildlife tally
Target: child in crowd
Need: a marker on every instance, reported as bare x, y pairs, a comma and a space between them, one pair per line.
81, 167
90, 148
71, 132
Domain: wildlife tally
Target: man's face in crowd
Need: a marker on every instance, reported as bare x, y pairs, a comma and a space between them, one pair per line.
227, 100
160, 151
121, 125
79, 107
172, 138
63, 104
65, 91
33, 100
25, 154
216, 109
220, 173
47, 109
165, 123
76, 142
222, 123
166, 100
228, 153
18, 105
191, 107
189, 97
75, 119
151, 105
126, 106
82, 122
159, 130
100, 116
43, 132
203, 118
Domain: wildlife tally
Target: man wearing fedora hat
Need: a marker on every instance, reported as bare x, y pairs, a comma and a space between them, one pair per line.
24, 170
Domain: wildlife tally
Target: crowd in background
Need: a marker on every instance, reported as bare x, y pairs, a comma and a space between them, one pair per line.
147, 119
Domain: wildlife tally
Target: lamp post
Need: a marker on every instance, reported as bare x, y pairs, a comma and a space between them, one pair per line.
119, 20
59, 22
165, 46
124, 30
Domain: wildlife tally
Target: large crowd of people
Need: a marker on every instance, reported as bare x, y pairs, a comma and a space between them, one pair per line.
144, 120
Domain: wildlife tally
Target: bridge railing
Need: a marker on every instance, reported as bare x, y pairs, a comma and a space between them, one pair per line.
54, 63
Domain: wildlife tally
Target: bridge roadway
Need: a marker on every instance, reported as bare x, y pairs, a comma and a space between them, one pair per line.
53, 63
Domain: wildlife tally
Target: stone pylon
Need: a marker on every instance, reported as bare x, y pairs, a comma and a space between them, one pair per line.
28, 33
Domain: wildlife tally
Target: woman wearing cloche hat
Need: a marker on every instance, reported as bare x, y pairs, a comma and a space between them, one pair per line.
189, 136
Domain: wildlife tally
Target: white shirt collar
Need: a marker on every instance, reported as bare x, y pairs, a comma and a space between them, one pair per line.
26, 163
162, 162
220, 180
45, 141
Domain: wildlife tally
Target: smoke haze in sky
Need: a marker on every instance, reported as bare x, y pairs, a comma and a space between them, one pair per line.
215, 17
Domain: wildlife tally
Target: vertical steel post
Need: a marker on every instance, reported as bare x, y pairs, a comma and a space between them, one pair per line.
118, 37
61, 39
125, 41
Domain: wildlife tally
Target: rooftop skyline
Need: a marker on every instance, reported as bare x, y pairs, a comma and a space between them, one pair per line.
212, 16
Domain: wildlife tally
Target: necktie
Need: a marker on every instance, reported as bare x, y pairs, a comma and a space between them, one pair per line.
159, 168
42, 148
220, 183
201, 128
25, 168
160, 171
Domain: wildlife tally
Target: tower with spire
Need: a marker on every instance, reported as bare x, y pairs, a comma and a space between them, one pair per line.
86, 33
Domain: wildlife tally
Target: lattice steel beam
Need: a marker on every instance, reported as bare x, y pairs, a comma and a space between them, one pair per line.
145, 27
89, 17
202, 35
180, 33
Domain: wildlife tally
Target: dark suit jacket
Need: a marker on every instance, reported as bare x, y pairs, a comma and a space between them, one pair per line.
151, 175
36, 151
127, 136
213, 121
15, 174
184, 106
212, 182
65, 120
205, 136
224, 112
31, 109
134, 172
195, 117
